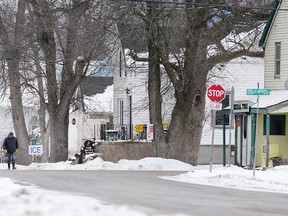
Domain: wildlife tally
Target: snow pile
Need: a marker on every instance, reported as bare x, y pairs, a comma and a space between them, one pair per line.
99, 164
19, 200
271, 180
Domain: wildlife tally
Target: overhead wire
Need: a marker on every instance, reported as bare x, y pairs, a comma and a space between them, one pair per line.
212, 5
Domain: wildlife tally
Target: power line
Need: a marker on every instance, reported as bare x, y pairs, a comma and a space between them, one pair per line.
207, 5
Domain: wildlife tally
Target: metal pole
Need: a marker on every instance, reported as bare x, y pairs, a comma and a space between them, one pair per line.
139, 147
224, 140
212, 144
130, 120
94, 133
256, 132
230, 128
267, 138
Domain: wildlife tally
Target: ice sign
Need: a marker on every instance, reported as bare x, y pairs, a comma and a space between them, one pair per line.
35, 149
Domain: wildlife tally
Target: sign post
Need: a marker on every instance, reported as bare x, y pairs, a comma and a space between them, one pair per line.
257, 92
140, 129
216, 93
230, 120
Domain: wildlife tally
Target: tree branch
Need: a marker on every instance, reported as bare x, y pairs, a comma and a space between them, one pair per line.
224, 58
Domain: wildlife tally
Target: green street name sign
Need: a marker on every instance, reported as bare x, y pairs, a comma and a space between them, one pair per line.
257, 91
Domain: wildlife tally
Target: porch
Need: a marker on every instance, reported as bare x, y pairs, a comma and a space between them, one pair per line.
261, 128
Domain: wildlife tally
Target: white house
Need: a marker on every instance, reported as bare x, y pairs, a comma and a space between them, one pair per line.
274, 41
92, 114
130, 96
266, 142
241, 74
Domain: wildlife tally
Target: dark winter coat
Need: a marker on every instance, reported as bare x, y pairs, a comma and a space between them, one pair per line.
11, 144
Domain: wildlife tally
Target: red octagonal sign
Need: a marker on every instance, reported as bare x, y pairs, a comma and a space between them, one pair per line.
216, 93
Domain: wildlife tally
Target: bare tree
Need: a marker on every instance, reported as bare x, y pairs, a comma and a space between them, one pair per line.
70, 35
189, 38
48, 54
12, 41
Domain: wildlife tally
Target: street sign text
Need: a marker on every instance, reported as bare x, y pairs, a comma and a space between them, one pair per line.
257, 91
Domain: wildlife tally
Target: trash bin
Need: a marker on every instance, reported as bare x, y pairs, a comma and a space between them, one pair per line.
276, 161
111, 135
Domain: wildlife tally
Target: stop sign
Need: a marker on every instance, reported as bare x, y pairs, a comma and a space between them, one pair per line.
216, 93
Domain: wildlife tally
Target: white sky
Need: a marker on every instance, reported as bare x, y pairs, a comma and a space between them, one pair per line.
18, 200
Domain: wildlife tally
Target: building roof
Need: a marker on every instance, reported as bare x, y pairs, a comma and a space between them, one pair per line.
276, 102
276, 97
95, 85
269, 23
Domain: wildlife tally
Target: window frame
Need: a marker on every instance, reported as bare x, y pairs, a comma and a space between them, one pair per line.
121, 111
120, 63
272, 117
277, 60
230, 123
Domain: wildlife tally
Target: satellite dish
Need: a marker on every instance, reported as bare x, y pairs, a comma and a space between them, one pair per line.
286, 84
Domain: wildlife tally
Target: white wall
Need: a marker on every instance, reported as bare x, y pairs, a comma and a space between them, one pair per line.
278, 33
75, 132
86, 127
136, 81
242, 74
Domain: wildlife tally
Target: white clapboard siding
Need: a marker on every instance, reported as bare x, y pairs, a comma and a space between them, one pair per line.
135, 82
242, 74
278, 33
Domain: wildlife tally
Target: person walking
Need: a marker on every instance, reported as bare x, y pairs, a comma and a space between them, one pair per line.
10, 146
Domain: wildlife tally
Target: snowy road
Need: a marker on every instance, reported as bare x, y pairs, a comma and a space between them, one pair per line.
144, 191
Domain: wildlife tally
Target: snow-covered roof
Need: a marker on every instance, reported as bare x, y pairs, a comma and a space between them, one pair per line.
277, 101
276, 97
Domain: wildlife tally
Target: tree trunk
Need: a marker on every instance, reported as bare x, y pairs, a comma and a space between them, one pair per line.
178, 40
17, 113
154, 85
185, 130
59, 99
59, 137
14, 51
59, 118
42, 108
189, 81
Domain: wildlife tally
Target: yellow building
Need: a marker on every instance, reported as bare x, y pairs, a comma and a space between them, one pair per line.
270, 135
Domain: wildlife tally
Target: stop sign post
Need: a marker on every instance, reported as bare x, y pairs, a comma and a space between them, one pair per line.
216, 93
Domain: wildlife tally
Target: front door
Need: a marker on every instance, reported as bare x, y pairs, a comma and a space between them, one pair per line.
244, 140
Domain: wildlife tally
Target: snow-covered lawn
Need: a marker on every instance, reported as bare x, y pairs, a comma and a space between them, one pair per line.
18, 200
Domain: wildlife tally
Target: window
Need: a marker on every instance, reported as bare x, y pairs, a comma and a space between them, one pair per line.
277, 59
219, 117
277, 125
120, 64
120, 111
